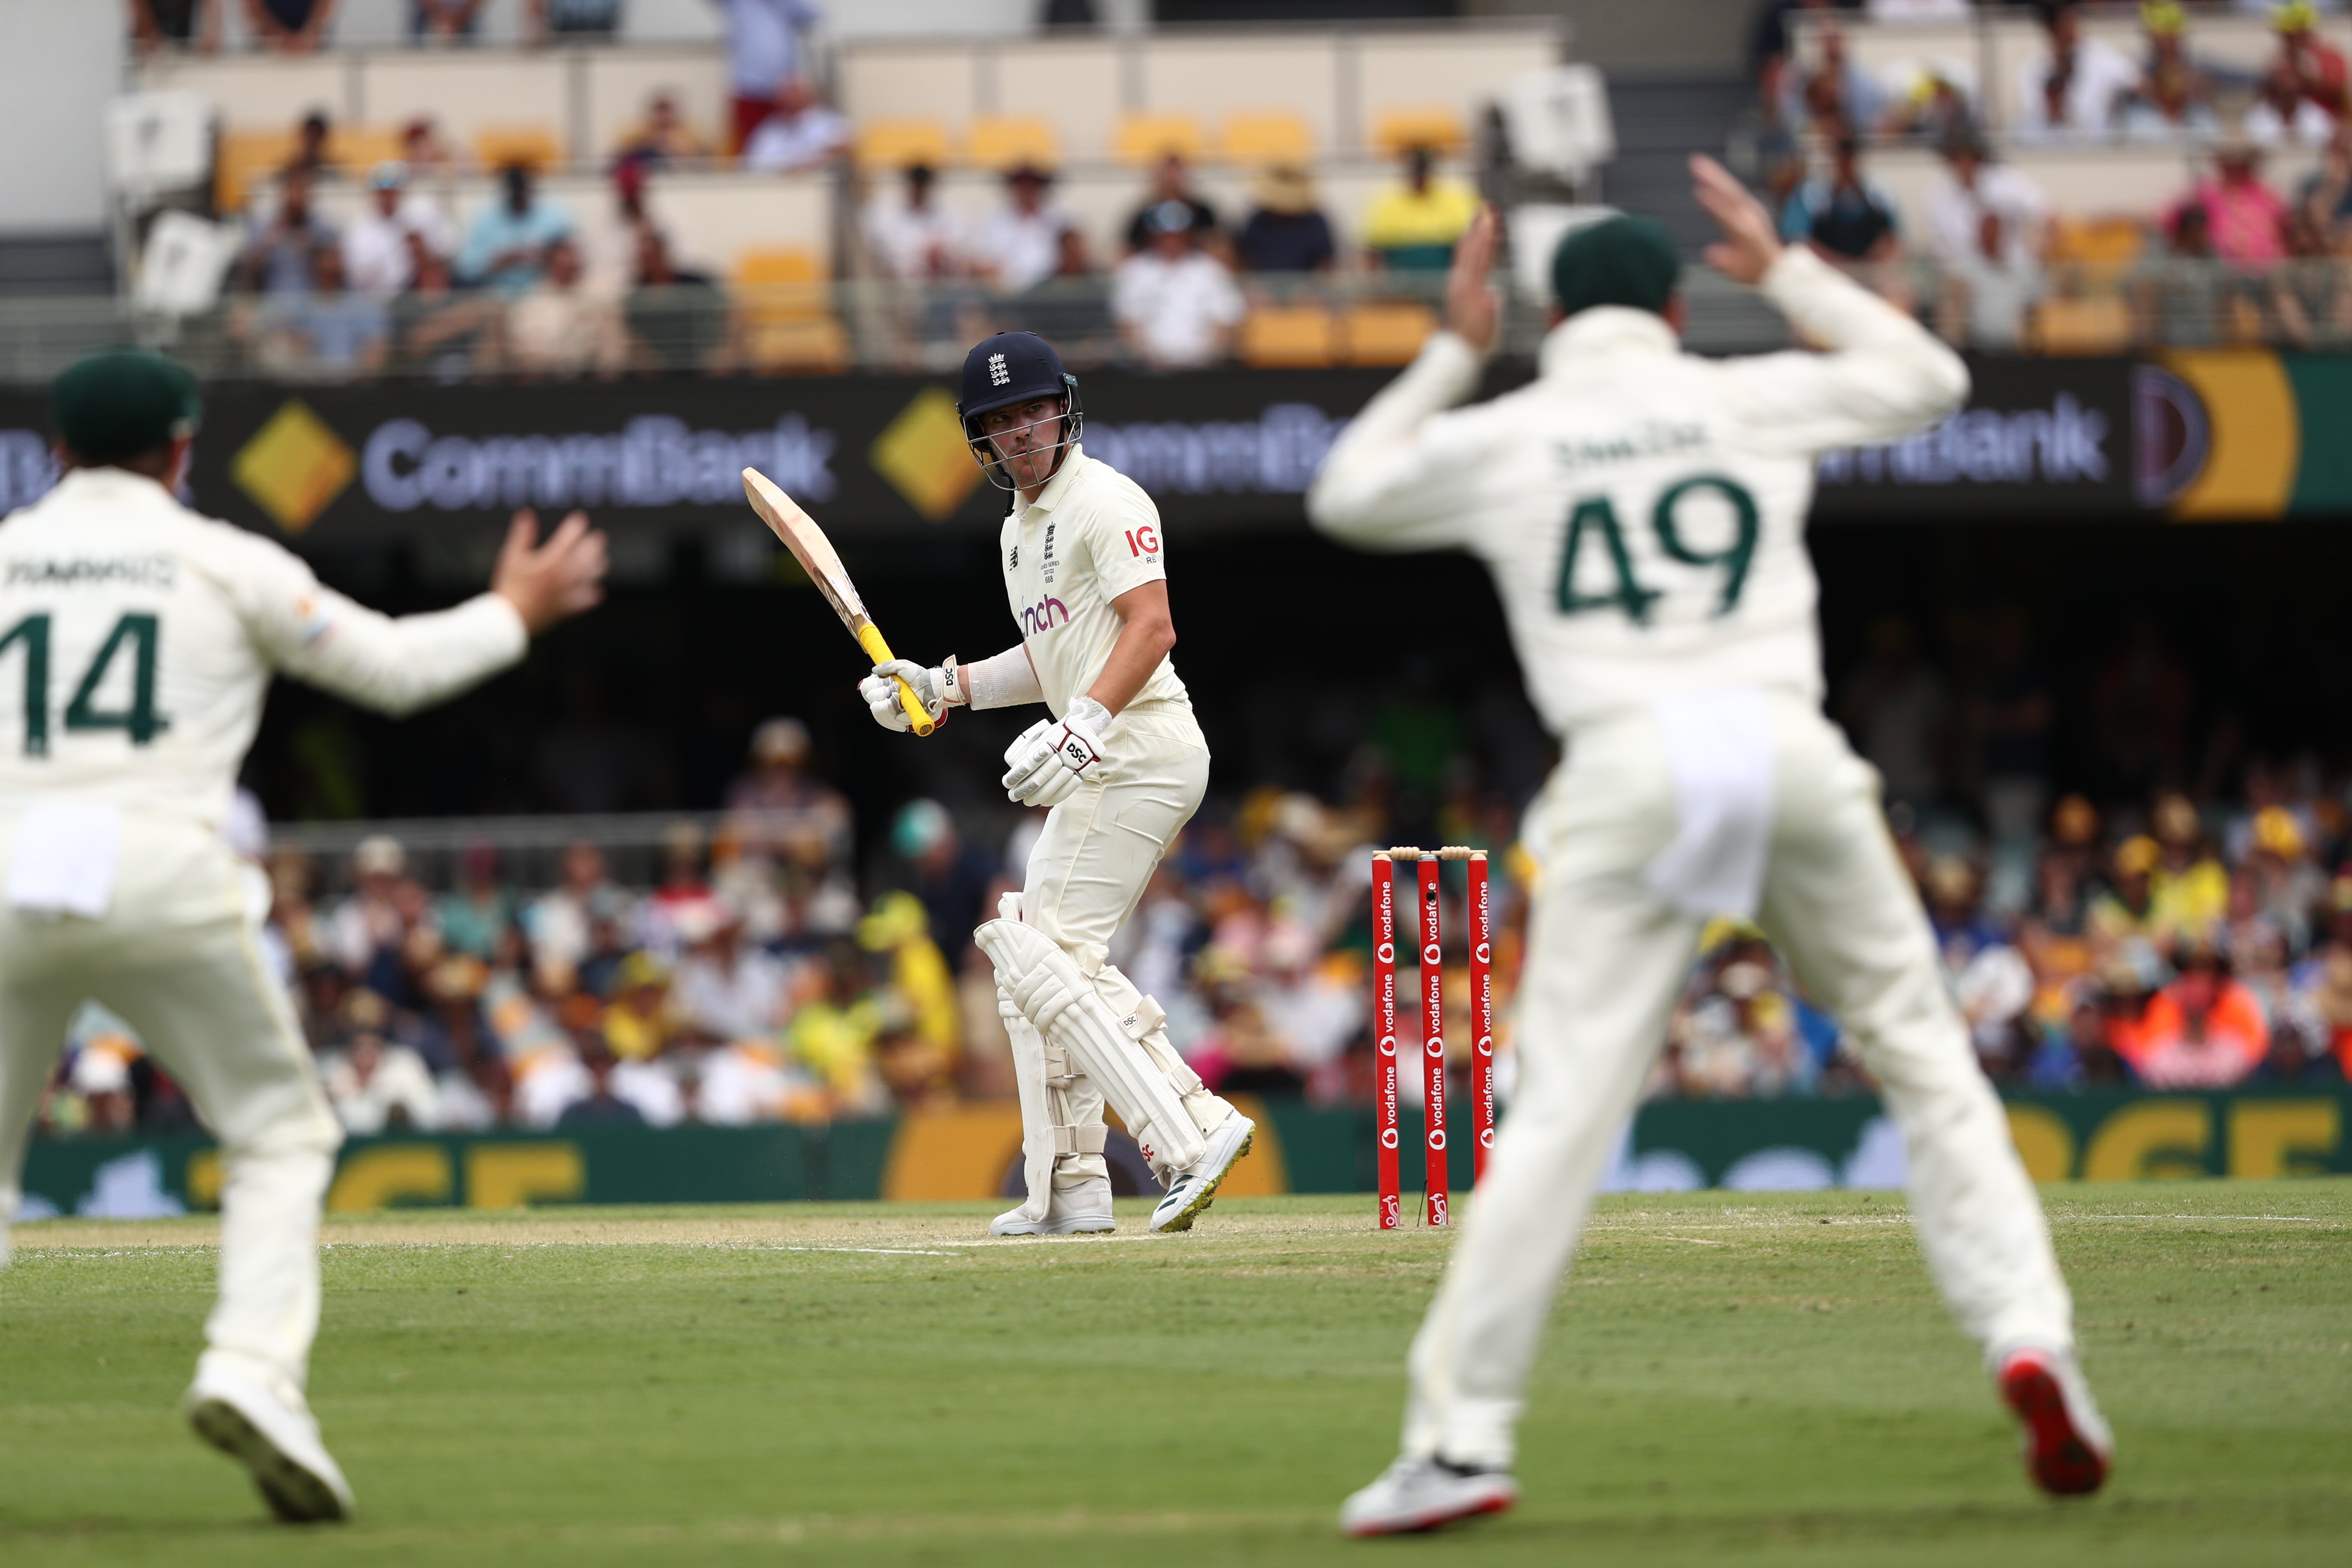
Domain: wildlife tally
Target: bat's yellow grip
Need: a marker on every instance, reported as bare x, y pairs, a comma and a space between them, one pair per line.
870, 638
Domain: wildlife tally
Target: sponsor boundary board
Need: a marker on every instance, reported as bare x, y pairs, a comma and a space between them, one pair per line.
2190, 435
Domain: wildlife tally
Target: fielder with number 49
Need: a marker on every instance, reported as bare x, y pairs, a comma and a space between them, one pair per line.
1643, 510
1123, 768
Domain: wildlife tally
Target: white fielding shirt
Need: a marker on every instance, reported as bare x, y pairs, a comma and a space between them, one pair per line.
1090, 536
1643, 509
137, 640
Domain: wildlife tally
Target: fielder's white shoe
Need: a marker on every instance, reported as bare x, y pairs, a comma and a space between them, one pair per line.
1070, 1211
277, 1441
1424, 1494
1195, 1187
2068, 1446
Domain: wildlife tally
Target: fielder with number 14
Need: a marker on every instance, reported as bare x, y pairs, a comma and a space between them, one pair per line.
1643, 510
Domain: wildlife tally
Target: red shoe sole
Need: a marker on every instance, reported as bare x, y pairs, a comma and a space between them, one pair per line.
2062, 1463
1423, 1523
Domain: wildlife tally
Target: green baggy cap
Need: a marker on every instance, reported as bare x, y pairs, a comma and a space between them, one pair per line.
1622, 261
123, 403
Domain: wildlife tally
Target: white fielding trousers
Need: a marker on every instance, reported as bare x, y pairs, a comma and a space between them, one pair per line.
1606, 956
1088, 871
176, 955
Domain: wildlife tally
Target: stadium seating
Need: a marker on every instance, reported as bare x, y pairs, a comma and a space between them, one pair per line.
1147, 137
1401, 129
1266, 137
1004, 141
1387, 332
535, 147
783, 313
2093, 324
899, 144
1288, 337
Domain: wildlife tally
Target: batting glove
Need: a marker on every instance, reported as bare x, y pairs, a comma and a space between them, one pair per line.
935, 687
1050, 761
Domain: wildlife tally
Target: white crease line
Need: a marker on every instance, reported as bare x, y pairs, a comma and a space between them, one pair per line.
893, 1251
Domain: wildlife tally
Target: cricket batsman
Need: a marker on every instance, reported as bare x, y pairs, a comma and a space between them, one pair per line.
1643, 510
1123, 766
144, 638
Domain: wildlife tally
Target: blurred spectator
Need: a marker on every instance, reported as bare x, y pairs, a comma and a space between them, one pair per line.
640, 1021
1171, 181
909, 235
1286, 231
365, 931
663, 136
421, 148
436, 328
378, 1085
798, 133
1836, 98
725, 989
1895, 709
2311, 300
897, 932
1020, 243
2204, 1030
2319, 67
683, 895
444, 21
600, 1107
2245, 219
2072, 84
375, 247
560, 920
949, 876
1412, 227
336, 332
763, 48
1935, 110
1986, 224
2282, 116
1738, 1038
278, 257
572, 21
2168, 109
1852, 219
1987, 976
779, 802
160, 24
477, 912
289, 26
506, 244
676, 317
1176, 306
311, 146
561, 326
834, 1033
2189, 885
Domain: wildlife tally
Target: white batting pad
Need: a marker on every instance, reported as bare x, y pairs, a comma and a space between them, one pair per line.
1047, 988
1037, 1130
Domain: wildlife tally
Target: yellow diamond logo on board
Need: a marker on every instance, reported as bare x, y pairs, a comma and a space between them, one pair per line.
923, 455
294, 466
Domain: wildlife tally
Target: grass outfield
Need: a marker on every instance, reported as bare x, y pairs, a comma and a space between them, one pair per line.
1761, 1379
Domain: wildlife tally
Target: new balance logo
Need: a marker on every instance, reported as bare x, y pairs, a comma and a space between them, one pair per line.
997, 375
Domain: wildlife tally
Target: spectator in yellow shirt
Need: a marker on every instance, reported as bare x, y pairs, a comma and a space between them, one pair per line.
2189, 887
640, 1024
1412, 227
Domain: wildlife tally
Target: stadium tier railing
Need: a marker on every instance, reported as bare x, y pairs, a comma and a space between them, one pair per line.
1367, 319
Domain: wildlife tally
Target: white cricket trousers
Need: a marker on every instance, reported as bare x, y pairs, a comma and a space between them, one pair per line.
177, 956
1089, 869
1607, 956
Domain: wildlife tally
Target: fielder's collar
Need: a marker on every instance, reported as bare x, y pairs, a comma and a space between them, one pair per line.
109, 483
1051, 495
1605, 330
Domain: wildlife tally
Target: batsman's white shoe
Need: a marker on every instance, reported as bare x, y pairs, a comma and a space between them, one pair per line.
1071, 1211
1195, 1187
277, 1441
1415, 1494
2068, 1446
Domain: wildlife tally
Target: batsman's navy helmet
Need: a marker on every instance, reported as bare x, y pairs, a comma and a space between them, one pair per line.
1010, 368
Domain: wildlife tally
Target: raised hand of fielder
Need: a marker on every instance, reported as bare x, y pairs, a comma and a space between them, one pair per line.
1047, 763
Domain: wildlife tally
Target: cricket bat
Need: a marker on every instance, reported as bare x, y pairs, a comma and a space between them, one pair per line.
815, 554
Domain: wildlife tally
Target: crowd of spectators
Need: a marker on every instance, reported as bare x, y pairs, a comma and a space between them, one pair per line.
1991, 248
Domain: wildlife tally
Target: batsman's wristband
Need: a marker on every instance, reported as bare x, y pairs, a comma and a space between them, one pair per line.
952, 690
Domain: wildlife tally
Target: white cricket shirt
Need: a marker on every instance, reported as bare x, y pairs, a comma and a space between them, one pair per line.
1091, 535
137, 640
1643, 509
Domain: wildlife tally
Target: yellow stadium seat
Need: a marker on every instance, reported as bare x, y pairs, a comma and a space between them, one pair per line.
243, 160
356, 149
783, 313
2109, 239
2099, 324
1008, 141
503, 146
1389, 332
901, 143
1271, 138
1395, 130
1289, 336
1147, 137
